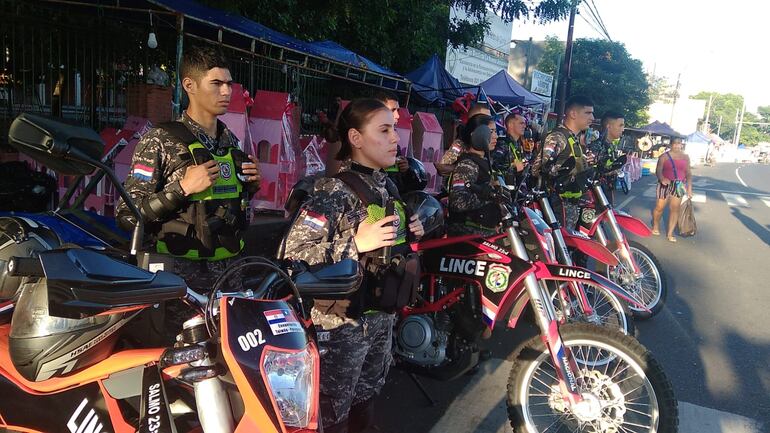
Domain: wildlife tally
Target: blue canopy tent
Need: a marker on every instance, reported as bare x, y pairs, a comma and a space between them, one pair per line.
661, 128
432, 83
502, 88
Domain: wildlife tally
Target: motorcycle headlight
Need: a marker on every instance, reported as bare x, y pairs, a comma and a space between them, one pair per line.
290, 377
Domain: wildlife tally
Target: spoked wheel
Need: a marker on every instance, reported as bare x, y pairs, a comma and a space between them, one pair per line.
627, 393
606, 309
649, 288
624, 185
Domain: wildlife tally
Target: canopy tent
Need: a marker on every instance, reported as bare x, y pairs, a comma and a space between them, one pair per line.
698, 137
335, 51
432, 83
661, 128
503, 88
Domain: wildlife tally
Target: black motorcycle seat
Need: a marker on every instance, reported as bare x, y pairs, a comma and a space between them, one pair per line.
338, 279
93, 281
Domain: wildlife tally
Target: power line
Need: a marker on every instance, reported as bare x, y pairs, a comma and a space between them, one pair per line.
592, 26
597, 20
601, 20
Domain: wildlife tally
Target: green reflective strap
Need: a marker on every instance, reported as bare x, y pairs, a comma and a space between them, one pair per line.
392, 169
227, 185
220, 253
571, 194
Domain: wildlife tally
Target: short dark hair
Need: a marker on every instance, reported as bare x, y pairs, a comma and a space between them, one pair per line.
578, 101
511, 117
611, 115
384, 96
477, 107
355, 116
198, 60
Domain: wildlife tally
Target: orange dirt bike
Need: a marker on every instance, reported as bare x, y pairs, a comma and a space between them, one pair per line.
246, 361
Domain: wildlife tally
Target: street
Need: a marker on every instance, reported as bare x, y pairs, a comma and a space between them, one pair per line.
711, 338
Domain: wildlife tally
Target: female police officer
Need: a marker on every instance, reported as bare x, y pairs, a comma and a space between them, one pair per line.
346, 217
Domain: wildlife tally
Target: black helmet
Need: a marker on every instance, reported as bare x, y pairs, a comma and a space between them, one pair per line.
418, 174
21, 237
428, 210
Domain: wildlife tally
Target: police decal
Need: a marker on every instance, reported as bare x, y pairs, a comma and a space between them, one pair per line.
282, 321
463, 266
497, 277
225, 171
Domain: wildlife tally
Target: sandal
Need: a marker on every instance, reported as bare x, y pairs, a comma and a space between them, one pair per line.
671, 239
656, 232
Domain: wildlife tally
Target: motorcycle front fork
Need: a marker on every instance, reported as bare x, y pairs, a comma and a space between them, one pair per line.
620, 239
545, 316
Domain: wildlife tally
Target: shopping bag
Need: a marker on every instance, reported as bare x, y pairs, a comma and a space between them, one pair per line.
687, 225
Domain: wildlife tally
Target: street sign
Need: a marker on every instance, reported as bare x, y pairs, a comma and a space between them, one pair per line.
541, 83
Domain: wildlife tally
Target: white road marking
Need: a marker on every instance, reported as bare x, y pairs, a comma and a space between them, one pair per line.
481, 408
625, 202
735, 200
651, 192
765, 200
739, 177
734, 192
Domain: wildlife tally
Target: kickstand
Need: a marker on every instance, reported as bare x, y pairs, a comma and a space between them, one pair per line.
422, 389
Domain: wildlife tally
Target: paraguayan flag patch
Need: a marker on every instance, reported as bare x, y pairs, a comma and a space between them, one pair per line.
314, 220
142, 172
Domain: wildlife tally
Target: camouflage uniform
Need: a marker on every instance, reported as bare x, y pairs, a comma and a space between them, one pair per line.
450, 156
466, 195
158, 165
357, 346
609, 150
503, 157
556, 145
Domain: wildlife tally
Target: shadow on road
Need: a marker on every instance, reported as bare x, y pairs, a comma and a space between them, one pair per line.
762, 232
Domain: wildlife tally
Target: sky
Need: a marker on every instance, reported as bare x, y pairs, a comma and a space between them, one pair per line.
716, 46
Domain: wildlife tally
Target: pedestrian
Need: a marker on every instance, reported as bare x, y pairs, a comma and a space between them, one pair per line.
190, 180
471, 207
345, 218
674, 181
508, 158
558, 146
607, 149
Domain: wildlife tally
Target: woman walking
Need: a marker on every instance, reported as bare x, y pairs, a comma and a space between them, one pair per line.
674, 181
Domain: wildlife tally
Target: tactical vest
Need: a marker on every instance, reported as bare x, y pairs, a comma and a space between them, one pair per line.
570, 188
211, 226
391, 282
488, 216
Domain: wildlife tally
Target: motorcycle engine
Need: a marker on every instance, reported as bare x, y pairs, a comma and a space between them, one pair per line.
422, 340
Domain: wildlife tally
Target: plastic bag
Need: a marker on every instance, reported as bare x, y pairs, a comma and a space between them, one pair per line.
687, 225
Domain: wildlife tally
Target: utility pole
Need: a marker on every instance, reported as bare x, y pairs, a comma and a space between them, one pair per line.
735, 124
708, 114
740, 126
676, 95
527, 78
567, 75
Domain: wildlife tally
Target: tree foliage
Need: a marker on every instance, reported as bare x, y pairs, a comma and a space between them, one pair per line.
399, 34
661, 90
607, 73
726, 106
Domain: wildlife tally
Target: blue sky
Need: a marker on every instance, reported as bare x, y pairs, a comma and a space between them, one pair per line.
717, 46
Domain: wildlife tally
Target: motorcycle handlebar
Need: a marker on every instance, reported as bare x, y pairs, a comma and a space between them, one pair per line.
25, 267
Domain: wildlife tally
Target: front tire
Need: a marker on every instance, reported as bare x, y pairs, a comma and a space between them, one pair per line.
609, 310
650, 290
629, 390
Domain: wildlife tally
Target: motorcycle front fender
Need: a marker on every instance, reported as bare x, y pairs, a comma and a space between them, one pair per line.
632, 224
584, 276
590, 248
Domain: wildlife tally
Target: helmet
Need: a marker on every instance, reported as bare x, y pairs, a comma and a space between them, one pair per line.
418, 174
21, 237
428, 210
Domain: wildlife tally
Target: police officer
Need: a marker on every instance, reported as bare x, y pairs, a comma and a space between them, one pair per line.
190, 180
471, 208
407, 173
560, 144
607, 148
449, 159
346, 217
508, 159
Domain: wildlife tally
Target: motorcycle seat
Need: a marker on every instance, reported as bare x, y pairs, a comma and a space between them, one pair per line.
87, 281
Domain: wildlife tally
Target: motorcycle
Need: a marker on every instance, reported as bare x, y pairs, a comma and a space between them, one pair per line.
638, 270
245, 361
574, 375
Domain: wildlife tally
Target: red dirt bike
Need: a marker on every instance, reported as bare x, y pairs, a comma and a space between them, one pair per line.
246, 361
638, 270
569, 376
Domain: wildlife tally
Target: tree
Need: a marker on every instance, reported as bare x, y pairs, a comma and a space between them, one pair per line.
724, 105
661, 90
399, 34
607, 73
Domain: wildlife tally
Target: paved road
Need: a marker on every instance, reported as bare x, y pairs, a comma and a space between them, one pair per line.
712, 338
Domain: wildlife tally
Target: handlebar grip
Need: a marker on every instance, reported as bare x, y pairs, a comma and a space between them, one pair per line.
25, 267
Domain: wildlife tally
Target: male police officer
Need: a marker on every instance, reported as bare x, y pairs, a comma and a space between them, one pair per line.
508, 158
607, 149
559, 145
189, 179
